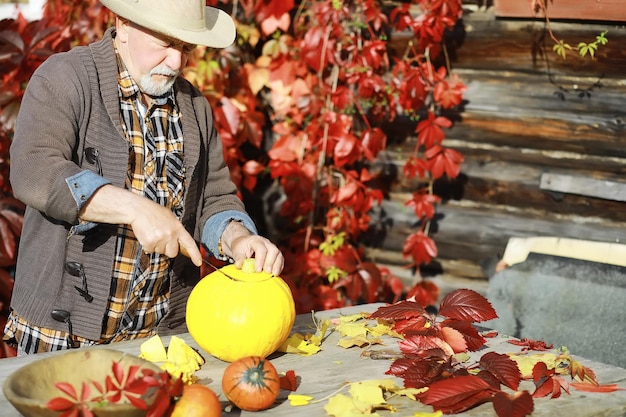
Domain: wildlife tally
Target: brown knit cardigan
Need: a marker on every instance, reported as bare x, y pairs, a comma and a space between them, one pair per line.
72, 103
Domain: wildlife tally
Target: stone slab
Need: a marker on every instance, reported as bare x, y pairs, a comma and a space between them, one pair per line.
567, 302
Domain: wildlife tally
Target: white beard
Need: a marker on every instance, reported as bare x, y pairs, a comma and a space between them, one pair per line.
157, 89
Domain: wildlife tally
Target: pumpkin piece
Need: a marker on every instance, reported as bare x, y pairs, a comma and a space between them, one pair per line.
197, 401
182, 360
240, 312
251, 383
153, 350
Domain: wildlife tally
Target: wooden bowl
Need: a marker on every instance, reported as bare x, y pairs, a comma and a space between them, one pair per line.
32, 386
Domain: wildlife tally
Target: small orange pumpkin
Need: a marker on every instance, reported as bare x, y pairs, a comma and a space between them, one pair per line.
251, 383
197, 401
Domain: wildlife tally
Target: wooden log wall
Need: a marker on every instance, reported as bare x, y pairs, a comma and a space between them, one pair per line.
530, 119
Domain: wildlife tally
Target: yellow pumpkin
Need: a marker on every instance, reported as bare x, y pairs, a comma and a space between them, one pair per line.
240, 312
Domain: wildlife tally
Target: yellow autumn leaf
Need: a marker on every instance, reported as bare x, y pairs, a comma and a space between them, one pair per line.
341, 405
382, 329
319, 336
367, 391
360, 341
352, 329
526, 363
351, 318
296, 343
258, 78
296, 400
411, 393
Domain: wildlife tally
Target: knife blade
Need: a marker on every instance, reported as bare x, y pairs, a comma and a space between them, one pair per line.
184, 252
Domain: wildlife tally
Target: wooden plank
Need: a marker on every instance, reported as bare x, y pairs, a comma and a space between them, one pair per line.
469, 231
565, 9
522, 111
492, 180
609, 190
481, 41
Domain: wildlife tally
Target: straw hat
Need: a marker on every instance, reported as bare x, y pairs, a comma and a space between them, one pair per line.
189, 21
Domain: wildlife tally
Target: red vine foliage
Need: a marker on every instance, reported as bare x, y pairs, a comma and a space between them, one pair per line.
431, 341
303, 102
323, 83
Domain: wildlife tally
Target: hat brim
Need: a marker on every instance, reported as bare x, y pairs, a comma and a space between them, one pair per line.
219, 31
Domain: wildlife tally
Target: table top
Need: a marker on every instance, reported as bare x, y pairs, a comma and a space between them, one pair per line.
321, 376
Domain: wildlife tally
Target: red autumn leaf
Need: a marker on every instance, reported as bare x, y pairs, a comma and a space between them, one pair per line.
252, 167
415, 325
581, 372
457, 394
519, 404
467, 305
425, 293
503, 368
529, 344
418, 373
547, 387
588, 387
289, 381
11, 220
251, 170
415, 343
311, 50
471, 334
412, 91
343, 259
352, 284
372, 280
374, 15
345, 193
489, 334
342, 97
454, 339
423, 204
414, 167
401, 17
265, 8
420, 247
401, 310
546, 382
286, 148
429, 131
490, 379
346, 150
373, 141
449, 93
440, 161
541, 372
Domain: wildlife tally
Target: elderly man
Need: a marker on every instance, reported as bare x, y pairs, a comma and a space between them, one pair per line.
120, 165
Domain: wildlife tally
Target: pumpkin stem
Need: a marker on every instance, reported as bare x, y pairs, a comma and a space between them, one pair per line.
248, 266
255, 374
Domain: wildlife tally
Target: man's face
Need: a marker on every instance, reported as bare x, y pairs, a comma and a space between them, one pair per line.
153, 60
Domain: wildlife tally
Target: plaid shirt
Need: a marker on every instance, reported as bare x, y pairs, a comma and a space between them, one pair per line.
139, 292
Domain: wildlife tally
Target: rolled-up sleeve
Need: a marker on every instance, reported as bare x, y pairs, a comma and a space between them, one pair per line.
216, 224
82, 186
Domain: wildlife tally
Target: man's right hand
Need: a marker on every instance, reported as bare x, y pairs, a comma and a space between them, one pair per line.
156, 228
